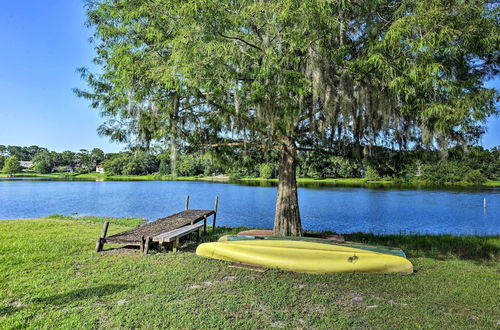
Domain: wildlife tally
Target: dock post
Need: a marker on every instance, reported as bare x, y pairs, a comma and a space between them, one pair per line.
146, 246
204, 225
484, 203
215, 211
101, 240
187, 202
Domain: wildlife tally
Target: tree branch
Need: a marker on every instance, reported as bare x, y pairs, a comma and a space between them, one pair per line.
240, 144
240, 39
250, 121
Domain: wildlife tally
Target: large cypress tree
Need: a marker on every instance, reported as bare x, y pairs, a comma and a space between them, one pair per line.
295, 75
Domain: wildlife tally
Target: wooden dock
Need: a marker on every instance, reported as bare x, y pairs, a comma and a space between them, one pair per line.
143, 235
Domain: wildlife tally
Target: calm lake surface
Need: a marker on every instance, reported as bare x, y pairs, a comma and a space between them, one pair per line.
340, 209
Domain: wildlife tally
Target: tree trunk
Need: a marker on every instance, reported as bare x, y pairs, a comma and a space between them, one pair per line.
287, 217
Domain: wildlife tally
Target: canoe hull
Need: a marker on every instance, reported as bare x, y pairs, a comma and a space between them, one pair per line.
306, 257
373, 248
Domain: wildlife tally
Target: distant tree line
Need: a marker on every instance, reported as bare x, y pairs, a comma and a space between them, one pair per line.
473, 164
46, 161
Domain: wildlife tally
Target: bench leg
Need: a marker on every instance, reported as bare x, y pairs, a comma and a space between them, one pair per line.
204, 225
175, 245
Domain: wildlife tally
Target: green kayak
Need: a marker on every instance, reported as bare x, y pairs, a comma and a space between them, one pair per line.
380, 249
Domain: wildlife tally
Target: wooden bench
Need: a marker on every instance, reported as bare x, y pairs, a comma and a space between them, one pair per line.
176, 234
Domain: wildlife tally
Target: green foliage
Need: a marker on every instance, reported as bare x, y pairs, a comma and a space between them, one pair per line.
475, 177
44, 162
236, 173
266, 171
22, 153
2, 160
339, 167
189, 165
116, 165
442, 172
141, 163
371, 174
164, 168
11, 165
42, 167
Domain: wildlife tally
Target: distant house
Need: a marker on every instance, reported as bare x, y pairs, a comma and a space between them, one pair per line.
25, 164
99, 169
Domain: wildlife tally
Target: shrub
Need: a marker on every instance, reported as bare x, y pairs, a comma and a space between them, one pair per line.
141, 163
265, 171
371, 174
11, 165
451, 173
475, 177
339, 167
189, 165
164, 168
42, 167
116, 165
237, 173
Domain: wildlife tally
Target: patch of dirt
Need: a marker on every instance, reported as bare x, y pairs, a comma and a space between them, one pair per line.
392, 302
260, 309
277, 324
78, 267
127, 249
225, 279
17, 303
317, 309
323, 285
121, 302
352, 298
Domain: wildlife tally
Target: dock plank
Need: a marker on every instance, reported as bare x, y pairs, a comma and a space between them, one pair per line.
162, 225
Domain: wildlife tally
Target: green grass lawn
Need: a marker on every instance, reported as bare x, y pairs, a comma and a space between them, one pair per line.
51, 278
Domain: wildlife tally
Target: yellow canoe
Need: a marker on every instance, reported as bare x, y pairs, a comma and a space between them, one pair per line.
305, 257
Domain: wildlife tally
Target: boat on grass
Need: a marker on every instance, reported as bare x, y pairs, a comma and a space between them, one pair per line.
305, 256
375, 248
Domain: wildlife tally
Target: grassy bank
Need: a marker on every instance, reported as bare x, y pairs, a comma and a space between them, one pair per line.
51, 278
354, 182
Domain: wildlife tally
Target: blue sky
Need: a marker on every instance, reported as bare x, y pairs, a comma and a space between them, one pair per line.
42, 45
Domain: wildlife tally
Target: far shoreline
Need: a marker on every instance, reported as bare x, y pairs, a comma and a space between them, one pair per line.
352, 182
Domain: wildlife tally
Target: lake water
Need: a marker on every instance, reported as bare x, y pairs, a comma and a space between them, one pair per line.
340, 209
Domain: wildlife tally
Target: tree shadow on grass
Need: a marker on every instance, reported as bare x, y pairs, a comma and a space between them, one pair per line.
83, 294
7, 310
483, 248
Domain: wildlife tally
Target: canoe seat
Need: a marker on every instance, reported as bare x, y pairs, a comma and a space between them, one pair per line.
176, 234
